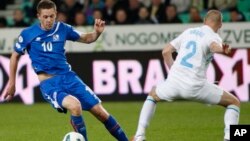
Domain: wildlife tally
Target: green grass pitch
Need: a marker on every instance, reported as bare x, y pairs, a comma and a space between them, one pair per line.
177, 121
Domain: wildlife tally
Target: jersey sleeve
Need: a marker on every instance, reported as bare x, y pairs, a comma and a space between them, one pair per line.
72, 33
21, 44
215, 38
176, 43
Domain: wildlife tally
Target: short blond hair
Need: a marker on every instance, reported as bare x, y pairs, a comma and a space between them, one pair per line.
214, 16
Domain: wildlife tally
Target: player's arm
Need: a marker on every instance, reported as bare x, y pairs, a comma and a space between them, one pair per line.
167, 54
12, 78
93, 36
217, 48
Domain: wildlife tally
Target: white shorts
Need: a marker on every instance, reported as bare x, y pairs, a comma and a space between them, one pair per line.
206, 93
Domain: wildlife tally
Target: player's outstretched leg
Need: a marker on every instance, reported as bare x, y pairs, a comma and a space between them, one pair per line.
78, 124
109, 122
114, 128
231, 116
146, 114
74, 106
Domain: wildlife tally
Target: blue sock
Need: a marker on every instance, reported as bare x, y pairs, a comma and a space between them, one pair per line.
115, 129
79, 125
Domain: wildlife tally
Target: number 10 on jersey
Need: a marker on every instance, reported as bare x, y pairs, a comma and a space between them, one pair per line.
47, 46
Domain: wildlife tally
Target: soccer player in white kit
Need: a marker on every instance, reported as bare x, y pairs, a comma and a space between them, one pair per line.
187, 75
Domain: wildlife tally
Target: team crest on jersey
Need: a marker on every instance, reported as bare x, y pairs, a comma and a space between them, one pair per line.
20, 39
38, 38
55, 37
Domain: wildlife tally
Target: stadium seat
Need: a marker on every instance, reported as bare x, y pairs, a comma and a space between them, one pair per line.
243, 5
226, 16
184, 17
247, 15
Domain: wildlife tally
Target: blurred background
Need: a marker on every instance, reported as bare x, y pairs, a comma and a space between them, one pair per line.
123, 65
22, 13
126, 62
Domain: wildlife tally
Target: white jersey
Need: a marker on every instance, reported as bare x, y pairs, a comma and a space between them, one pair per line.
194, 55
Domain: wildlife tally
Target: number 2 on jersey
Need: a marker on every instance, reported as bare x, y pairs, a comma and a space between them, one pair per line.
191, 45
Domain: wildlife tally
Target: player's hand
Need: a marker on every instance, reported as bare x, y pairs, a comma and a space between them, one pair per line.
226, 48
10, 92
99, 25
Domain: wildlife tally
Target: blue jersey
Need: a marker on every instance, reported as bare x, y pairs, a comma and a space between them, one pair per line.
46, 48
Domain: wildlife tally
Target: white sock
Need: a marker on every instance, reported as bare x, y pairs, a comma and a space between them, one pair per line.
146, 114
231, 117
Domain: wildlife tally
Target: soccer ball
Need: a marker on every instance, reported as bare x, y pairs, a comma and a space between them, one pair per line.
73, 136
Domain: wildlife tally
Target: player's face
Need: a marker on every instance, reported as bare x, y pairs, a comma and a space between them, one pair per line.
219, 25
47, 18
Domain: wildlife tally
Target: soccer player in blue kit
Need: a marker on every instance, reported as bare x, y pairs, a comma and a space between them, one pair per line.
60, 86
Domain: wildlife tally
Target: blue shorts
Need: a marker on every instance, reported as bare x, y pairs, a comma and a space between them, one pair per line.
57, 87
